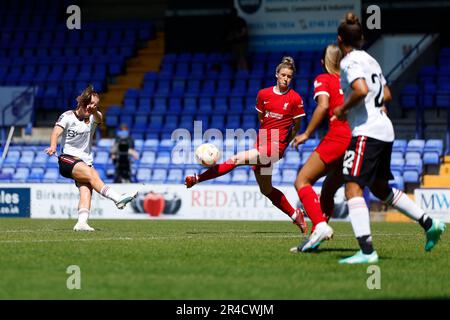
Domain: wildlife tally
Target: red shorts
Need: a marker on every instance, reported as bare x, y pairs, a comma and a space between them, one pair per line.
270, 152
332, 147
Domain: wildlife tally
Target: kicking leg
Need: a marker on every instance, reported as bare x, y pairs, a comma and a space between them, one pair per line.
241, 158
84, 174
433, 228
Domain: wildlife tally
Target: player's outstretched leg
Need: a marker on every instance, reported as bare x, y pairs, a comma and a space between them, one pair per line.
212, 173
433, 228
125, 198
84, 174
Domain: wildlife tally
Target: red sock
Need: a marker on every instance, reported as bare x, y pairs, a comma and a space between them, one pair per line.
311, 204
216, 171
279, 200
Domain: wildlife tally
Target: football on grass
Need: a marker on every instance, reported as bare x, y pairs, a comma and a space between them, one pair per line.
207, 154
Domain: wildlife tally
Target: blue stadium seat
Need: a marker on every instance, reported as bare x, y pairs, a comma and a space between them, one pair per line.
411, 176
431, 158
415, 145
21, 175
305, 156
398, 182
143, 175
52, 162
434, 145
413, 155
175, 176
396, 155
288, 176
163, 160
105, 144
51, 175
310, 144
159, 175
26, 159
35, 175
292, 159
399, 145
413, 165
150, 145
397, 164
239, 176
147, 159
102, 159
175, 106
409, 96
40, 159
12, 158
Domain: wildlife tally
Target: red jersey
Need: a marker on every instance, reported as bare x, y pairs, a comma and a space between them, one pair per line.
336, 141
280, 110
329, 84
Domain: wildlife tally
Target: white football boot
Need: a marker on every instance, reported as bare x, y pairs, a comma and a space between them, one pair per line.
125, 199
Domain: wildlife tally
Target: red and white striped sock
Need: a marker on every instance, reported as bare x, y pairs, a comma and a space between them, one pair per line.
109, 193
403, 203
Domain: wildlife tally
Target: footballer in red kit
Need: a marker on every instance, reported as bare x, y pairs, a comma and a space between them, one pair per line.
337, 139
328, 155
279, 112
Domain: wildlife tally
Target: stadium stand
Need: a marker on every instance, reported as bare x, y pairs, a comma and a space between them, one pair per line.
188, 87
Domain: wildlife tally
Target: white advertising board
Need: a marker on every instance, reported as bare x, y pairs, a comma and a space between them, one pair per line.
435, 202
163, 201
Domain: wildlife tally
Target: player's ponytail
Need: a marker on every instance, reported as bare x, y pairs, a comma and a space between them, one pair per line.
286, 62
351, 32
331, 58
85, 97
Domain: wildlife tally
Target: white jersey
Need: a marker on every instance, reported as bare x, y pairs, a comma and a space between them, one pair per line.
77, 136
366, 118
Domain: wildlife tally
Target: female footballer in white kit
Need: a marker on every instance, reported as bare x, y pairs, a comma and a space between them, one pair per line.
77, 128
368, 157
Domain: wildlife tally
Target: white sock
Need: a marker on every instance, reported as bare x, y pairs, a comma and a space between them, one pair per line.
404, 204
109, 193
83, 215
359, 216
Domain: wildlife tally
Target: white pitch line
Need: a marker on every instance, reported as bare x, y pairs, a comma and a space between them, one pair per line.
65, 240
27, 231
197, 236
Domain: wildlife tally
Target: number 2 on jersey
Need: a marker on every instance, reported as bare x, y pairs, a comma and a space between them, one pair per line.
379, 98
347, 164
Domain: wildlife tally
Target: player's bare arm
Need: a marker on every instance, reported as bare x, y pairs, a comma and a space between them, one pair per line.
57, 131
387, 98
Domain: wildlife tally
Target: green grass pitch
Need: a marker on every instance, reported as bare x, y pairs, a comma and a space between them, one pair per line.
212, 260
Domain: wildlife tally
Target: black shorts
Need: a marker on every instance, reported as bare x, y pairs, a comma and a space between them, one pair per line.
66, 164
367, 159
